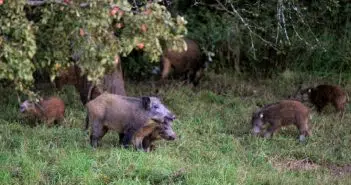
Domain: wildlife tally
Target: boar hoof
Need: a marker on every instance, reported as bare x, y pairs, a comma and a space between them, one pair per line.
93, 142
267, 135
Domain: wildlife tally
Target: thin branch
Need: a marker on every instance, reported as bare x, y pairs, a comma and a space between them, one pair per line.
42, 2
281, 19
299, 14
278, 25
297, 33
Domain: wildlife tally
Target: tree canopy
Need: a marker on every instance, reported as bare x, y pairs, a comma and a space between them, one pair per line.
53, 34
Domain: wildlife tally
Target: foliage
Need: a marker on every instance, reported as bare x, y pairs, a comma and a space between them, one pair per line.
216, 33
273, 35
17, 44
53, 34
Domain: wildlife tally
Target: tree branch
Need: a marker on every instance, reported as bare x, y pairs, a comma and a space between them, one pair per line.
42, 2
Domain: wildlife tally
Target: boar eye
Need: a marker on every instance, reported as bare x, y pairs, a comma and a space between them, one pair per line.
155, 106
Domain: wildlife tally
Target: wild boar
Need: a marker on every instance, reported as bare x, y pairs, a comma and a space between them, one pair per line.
152, 131
280, 114
48, 110
68, 76
187, 63
125, 115
112, 82
322, 95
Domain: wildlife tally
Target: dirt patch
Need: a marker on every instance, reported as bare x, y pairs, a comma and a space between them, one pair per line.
296, 165
306, 164
340, 170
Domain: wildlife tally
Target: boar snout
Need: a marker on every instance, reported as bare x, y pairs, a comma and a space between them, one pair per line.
167, 132
170, 117
256, 130
171, 136
22, 108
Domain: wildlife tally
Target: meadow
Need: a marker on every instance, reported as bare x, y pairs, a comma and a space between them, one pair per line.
214, 144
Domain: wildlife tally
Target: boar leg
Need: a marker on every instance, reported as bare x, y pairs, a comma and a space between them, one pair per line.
320, 106
58, 121
86, 122
98, 131
270, 130
340, 107
303, 129
191, 76
149, 146
146, 144
198, 75
127, 138
166, 67
142, 136
121, 136
50, 122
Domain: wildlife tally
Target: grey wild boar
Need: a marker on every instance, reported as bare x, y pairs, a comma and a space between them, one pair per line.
280, 114
48, 110
125, 115
112, 82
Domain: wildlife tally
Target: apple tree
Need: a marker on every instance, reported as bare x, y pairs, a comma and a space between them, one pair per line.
53, 34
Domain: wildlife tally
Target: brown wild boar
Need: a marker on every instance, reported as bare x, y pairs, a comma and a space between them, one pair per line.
68, 76
152, 131
47, 110
188, 62
322, 95
112, 82
125, 115
282, 113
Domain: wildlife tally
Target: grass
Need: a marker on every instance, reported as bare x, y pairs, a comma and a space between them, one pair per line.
213, 145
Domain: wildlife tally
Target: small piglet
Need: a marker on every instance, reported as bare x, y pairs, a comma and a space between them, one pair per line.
281, 114
48, 110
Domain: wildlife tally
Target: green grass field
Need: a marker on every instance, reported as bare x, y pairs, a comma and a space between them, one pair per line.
214, 145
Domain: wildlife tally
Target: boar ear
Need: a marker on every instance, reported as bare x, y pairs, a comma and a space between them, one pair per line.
261, 115
41, 108
259, 105
160, 98
146, 102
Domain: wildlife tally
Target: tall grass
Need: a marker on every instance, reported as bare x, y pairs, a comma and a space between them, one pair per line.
213, 145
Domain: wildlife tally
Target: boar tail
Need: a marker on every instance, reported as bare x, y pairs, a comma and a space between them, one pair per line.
18, 98
347, 97
86, 122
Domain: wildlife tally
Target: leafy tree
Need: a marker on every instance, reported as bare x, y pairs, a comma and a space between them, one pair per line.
53, 34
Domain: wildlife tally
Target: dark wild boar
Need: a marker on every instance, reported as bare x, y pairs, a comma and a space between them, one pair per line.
152, 131
125, 115
48, 110
189, 63
322, 95
282, 113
